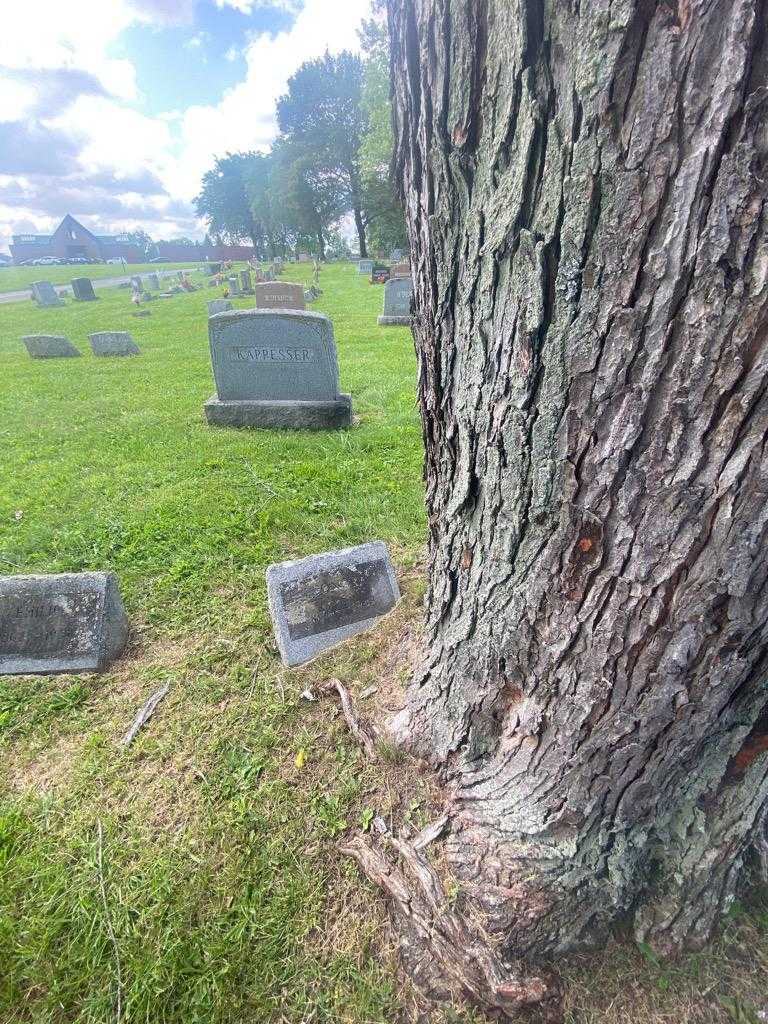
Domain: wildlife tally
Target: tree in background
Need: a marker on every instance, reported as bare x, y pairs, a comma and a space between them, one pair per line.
385, 221
321, 118
308, 199
223, 200
142, 241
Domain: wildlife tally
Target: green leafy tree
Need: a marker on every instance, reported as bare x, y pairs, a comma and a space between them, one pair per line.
322, 119
385, 220
223, 200
308, 200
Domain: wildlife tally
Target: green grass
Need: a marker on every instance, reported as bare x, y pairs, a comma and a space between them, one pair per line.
14, 279
224, 888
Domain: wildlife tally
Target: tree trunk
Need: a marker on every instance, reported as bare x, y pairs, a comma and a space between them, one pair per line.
585, 188
360, 226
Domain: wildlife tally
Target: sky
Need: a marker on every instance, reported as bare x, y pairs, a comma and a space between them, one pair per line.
112, 110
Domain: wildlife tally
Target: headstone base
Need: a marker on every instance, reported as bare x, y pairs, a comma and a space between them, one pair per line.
394, 321
335, 415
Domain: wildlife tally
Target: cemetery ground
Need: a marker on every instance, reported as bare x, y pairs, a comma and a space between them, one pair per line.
16, 278
197, 872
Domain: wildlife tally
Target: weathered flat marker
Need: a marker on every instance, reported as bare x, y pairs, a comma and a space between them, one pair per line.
320, 601
49, 346
113, 343
71, 622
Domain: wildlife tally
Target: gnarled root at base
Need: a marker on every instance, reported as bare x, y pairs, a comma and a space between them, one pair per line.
444, 952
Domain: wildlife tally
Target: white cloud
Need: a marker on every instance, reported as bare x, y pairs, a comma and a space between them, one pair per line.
232, 54
114, 141
245, 117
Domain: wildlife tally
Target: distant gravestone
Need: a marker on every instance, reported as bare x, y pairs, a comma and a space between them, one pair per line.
304, 257
245, 282
137, 284
154, 282
275, 369
279, 295
397, 303
73, 622
44, 294
320, 601
396, 255
49, 346
113, 343
365, 266
400, 269
219, 306
82, 289
215, 268
234, 285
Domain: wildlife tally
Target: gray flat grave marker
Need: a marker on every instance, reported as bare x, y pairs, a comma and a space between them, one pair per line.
113, 343
218, 306
275, 368
49, 346
365, 266
397, 303
320, 601
279, 295
44, 294
82, 289
72, 622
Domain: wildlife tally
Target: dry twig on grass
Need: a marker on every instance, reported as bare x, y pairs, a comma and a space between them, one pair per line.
144, 714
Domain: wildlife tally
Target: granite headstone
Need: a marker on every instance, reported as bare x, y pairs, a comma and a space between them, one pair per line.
72, 622
234, 285
82, 289
322, 600
113, 343
397, 303
365, 266
153, 281
279, 295
246, 283
275, 368
44, 294
218, 306
49, 346
402, 269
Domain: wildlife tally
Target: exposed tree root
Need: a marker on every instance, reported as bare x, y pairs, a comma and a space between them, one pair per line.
363, 737
447, 953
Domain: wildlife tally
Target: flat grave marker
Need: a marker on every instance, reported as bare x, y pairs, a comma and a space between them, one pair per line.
275, 368
279, 295
320, 601
397, 303
82, 289
49, 346
113, 343
218, 306
71, 622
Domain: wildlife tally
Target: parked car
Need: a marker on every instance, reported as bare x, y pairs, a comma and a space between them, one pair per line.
160, 259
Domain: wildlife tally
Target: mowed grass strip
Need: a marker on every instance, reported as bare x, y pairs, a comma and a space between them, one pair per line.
223, 885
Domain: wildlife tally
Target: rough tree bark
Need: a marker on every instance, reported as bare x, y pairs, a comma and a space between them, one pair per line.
585, 186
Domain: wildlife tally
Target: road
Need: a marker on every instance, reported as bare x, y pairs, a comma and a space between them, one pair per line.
104, 282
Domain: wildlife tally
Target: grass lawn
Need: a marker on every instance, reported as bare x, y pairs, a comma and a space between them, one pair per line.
222, 883
14, 279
